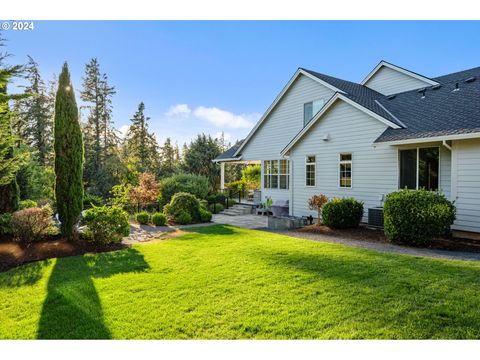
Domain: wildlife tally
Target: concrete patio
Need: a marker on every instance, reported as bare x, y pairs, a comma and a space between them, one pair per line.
249, 221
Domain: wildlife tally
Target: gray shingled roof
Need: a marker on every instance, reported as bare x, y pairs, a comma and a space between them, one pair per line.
441, 112
230, 152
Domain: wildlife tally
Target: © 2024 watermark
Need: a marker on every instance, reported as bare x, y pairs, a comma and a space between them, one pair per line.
17, 25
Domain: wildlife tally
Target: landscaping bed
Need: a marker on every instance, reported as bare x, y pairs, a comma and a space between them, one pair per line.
364, 233
13, 253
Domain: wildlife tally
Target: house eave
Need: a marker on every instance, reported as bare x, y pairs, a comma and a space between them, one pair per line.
400, 70
464, 136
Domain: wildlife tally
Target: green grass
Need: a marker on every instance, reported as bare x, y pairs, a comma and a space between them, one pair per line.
222, 282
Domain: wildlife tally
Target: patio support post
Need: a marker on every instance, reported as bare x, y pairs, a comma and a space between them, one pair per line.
222, 176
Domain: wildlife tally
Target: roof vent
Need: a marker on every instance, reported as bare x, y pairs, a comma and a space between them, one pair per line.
436, 87
391, 97
470, 79
456, 87
422, 91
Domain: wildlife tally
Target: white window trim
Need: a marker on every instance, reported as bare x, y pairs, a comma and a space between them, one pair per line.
418, 162
314, 171
351, 169
287, 174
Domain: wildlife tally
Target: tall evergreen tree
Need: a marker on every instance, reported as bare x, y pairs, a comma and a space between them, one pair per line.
68, 155
198, 158
141, 146
169, 159
9, 160
36, 115
101, 139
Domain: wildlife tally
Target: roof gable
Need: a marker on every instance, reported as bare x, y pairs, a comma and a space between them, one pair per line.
277, 100
328, 105
389, 79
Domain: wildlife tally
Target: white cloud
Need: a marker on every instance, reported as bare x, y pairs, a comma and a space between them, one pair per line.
181, 110
224, 118
123, 130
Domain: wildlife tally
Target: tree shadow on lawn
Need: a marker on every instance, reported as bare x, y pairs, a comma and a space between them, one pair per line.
72, 309
414, 297
25, 275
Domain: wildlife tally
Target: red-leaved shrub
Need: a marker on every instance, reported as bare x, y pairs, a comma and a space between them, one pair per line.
32, 224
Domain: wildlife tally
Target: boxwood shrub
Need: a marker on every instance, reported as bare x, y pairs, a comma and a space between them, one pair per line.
159, 219
417, 216
342, 213
105, 224
27, 204
181, 204
197, 185
142, 217
6, 227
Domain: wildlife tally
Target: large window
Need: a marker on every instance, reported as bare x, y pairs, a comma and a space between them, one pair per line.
419, 168
311, 109
345, 169
276, 174
310, 170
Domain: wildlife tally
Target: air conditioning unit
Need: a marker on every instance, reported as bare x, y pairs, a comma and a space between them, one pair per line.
375, 217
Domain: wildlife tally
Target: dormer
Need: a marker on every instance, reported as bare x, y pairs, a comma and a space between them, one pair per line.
390, 79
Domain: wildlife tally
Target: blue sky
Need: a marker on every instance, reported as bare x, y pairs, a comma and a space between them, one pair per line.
222, 75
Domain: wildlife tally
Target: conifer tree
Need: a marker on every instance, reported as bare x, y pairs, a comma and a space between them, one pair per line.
68, 156
169, 159
141, 146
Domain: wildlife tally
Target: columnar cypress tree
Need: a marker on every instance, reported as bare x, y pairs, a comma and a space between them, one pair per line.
68, 155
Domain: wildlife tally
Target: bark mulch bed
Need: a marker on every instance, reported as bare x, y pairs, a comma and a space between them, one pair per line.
376, 235
13, 253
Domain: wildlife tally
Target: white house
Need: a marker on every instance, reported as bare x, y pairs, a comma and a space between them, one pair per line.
395, 129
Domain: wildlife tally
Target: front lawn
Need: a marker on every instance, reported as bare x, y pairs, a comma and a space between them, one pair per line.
222, 282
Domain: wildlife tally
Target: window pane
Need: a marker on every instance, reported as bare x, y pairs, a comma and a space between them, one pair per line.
283, 166
408, 169
274, 166
274, 181
283, 181
345, 157
307, 112
346, 175
310, 159
266, 181
267, 167
428, 168
310, 175
316, 106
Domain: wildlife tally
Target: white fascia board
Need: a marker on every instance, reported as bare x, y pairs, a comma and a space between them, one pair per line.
227, 159
329, 104
400, 70
465, 136
277, 100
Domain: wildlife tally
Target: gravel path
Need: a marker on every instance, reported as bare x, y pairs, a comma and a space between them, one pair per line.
391, 248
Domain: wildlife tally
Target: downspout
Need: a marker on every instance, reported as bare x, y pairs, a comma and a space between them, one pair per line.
444, 143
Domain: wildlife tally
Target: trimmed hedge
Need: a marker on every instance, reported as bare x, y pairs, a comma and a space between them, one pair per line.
417, 216
159, 219
105, 224
142, 217
181, 204
27, 204
342, 213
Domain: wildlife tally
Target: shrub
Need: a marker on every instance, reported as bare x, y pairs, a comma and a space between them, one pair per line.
218, 198
27, 204
32, 224
342, 213
231, 202
6, 224
204, 204
142, 217
105, 224
251, 176
194, 184
159, 219
205, 215
317, 202
183, 218
90, 200
183, 203
216, 208
237, 185
417, 216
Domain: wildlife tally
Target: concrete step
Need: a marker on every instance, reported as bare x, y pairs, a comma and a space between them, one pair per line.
237, 210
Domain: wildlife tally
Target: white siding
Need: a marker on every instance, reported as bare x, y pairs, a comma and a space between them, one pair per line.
374, 169
388, 81
285, 120
466, 169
